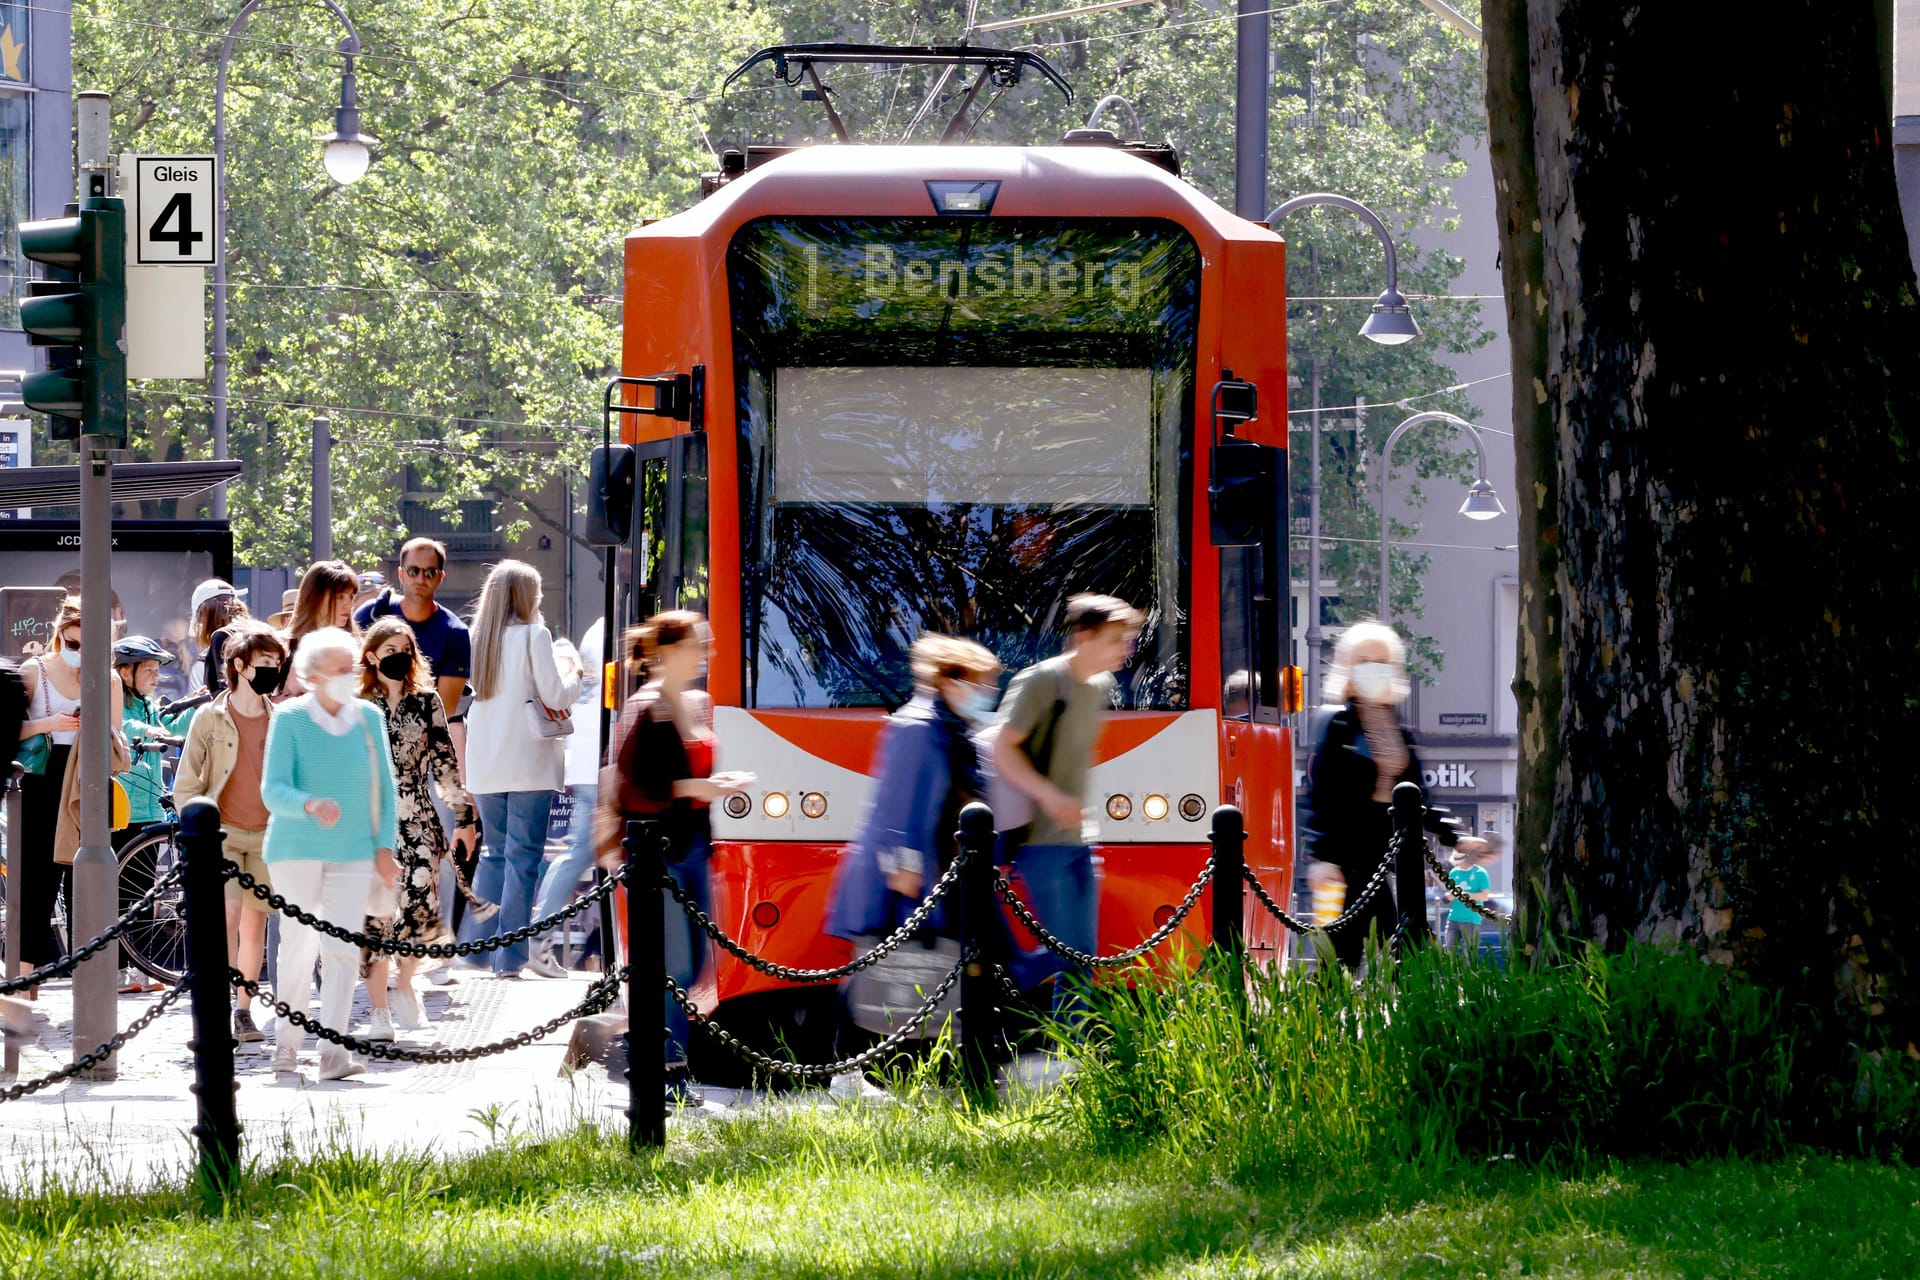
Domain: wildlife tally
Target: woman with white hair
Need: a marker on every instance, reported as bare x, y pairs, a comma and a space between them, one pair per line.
1362, 755
333, 812
516, 756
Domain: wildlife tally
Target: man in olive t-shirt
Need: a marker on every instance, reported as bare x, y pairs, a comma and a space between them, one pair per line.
1055, 711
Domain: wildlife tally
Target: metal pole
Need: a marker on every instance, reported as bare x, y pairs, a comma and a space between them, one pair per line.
1314, 635
646, 970
95, 887
217, 1124
979, 999
15, 771
1250, 109
1409, 868
322, 489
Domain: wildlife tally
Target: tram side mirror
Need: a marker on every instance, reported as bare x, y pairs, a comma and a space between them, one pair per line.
1241, 492
610, 481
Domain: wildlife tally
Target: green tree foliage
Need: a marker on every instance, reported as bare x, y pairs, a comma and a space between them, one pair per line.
459, 306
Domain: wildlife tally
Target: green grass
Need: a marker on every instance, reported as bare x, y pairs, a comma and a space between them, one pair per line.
1638, 1114
945, 1192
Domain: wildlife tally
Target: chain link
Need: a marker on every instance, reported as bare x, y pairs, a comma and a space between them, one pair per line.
911, 925
416, 950
781, 1066
1118, 958
600, 996
1358, 905
105, 1051
1458, 894
74, 959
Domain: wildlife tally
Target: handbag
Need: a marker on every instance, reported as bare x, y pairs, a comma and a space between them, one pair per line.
887, 993
383, 899
541, 718
33, 752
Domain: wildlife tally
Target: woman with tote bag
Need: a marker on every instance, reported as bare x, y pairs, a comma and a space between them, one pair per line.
516, 753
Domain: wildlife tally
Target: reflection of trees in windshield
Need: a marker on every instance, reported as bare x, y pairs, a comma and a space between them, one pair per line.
856, 584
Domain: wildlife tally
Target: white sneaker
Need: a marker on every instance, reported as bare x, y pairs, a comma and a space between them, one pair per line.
441, 977
286, 1061
407, 1013
544, 965
343, 1066
379, 1026
854, 1085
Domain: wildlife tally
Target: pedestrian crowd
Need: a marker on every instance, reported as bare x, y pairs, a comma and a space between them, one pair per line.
393, 769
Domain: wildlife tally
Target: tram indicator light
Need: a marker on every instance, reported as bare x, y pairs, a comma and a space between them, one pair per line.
963, 199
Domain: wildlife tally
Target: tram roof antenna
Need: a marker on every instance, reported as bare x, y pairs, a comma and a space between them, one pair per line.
795, 62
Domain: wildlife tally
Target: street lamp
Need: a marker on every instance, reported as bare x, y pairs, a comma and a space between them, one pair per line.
1482, 502
1390, 325
346, 159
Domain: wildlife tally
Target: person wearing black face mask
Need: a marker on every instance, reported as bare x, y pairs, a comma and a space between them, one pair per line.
396, 678
225, 751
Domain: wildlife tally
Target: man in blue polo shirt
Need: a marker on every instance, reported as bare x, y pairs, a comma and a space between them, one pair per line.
442, 638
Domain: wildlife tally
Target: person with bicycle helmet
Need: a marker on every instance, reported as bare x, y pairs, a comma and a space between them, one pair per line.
137, 661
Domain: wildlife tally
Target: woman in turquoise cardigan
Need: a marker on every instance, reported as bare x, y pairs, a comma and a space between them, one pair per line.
328, 786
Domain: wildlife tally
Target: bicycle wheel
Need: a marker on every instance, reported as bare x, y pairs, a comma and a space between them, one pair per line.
156, 942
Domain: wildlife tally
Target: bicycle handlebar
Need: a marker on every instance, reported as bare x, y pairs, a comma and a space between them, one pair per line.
191, 700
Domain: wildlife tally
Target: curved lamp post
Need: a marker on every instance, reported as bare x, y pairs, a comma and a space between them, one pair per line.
346, 158
1482, 502
1390, 325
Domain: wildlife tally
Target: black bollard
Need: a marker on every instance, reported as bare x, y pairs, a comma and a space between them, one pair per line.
980, 932
1228, 892
1409, 867
647, 966
216, 1124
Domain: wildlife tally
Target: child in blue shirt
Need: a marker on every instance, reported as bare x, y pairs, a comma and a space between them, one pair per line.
1469, 874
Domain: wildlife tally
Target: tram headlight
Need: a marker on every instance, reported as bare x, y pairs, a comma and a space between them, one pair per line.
1153, 808
1119, 808
813, 804
737, 805
1192, 807
774, 804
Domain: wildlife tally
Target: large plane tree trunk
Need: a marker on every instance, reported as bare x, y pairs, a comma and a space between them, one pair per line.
1716, 390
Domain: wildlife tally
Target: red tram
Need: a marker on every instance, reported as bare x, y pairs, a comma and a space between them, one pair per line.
873, 390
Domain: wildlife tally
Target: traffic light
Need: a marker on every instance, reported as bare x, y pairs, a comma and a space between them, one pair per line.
80, 313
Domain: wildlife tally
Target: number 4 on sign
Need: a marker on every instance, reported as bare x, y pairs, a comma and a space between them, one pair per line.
178, 210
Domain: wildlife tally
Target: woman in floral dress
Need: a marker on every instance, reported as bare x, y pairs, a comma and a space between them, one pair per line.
395, 676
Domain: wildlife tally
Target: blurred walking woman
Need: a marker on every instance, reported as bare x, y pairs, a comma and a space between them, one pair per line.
395, 678
46, 749
1361, 756
328, 785
928, 771
665, 763
516, 759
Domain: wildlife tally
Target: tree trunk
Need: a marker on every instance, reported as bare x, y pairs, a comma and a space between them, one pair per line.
1717, 452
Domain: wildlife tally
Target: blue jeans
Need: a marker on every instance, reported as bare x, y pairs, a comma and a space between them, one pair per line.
509, 871
557, 885
686, 944
1060, 889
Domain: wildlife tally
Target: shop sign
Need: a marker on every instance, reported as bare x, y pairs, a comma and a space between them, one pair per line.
1456, 777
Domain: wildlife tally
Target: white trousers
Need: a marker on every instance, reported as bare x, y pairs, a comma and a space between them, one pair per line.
337, 893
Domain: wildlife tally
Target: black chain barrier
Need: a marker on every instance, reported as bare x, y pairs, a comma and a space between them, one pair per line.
419, 950
908, 927
74, 959
1118, 958
97, 1056
1352, 913
804, 1070
600, 996
1460, 896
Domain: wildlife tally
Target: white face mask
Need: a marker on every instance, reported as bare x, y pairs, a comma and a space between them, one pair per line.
71, 657
1374, 681
342, 688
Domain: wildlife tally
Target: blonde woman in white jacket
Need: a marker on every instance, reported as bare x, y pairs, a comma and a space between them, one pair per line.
512, 770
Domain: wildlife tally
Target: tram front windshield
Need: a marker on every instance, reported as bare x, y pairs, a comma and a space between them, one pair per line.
954, 425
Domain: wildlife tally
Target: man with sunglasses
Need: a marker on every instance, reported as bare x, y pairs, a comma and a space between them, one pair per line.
442, 639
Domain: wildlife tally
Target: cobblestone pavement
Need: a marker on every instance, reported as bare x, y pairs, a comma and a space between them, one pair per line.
138, 1126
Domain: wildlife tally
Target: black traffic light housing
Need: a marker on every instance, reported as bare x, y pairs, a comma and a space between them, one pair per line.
80, 313
610, 486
